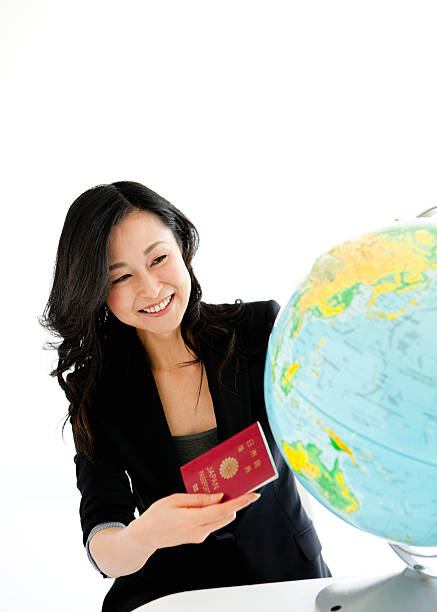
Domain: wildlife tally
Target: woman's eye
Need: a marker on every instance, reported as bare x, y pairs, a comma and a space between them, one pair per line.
159, 259
120, 279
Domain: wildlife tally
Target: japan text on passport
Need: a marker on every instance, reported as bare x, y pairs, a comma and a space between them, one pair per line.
240, 464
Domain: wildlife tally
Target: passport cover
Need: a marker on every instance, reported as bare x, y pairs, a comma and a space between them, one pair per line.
240, 464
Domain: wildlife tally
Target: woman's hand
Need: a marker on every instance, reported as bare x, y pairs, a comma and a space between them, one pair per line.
184, 518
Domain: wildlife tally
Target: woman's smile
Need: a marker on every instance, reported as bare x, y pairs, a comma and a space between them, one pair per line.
158, 309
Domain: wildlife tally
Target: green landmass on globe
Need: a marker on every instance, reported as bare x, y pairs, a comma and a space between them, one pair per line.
351, 381
330, 483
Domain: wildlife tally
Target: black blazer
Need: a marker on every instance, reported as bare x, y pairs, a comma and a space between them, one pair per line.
271, 540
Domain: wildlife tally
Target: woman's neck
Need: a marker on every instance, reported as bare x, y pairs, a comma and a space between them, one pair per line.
164, 351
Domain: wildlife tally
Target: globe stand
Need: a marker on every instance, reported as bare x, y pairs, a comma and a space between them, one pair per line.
414, 589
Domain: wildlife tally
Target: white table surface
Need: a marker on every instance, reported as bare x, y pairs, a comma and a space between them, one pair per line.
294, 595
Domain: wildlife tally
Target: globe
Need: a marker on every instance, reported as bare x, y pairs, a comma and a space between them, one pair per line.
351, 382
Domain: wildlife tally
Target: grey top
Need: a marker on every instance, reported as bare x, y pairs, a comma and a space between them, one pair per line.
187, 448
190, 447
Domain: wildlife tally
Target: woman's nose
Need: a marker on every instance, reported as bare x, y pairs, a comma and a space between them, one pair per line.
149, 286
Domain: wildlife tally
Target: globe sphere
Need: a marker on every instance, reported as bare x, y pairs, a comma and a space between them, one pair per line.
351, 382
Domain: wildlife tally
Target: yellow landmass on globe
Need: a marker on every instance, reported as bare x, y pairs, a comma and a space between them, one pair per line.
338, 444
288, 374
390, 261
299, 460
274, 361
329, 483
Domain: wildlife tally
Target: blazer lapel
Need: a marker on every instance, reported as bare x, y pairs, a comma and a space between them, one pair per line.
142, 428
230, 397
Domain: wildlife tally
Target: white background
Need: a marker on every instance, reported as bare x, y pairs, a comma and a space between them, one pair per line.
279, 128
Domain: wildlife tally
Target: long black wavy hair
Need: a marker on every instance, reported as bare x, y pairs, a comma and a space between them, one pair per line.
76, 311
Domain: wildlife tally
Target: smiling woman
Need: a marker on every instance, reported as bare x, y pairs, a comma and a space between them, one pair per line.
107, 271
156, 377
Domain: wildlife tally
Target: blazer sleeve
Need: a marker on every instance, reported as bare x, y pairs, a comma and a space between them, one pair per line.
105, 488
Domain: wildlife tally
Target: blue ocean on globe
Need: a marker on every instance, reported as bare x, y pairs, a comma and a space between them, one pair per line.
351, 382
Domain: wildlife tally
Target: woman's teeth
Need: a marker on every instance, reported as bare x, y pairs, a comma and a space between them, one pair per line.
159, 307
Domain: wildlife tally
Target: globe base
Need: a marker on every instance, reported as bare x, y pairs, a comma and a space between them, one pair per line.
401, 592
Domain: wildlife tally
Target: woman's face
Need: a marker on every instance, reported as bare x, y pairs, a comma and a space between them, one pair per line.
146, 271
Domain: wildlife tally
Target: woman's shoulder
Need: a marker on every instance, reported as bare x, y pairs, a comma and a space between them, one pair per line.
257, 323
264, 311
253, 323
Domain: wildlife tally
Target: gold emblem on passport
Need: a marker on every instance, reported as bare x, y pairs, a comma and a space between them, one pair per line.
228, 467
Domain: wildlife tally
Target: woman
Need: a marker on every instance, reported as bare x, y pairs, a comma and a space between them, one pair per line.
159, 377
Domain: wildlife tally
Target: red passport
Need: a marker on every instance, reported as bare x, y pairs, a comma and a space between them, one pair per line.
240, 464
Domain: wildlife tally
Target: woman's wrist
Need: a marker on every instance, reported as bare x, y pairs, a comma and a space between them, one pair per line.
132, 538
117, 552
